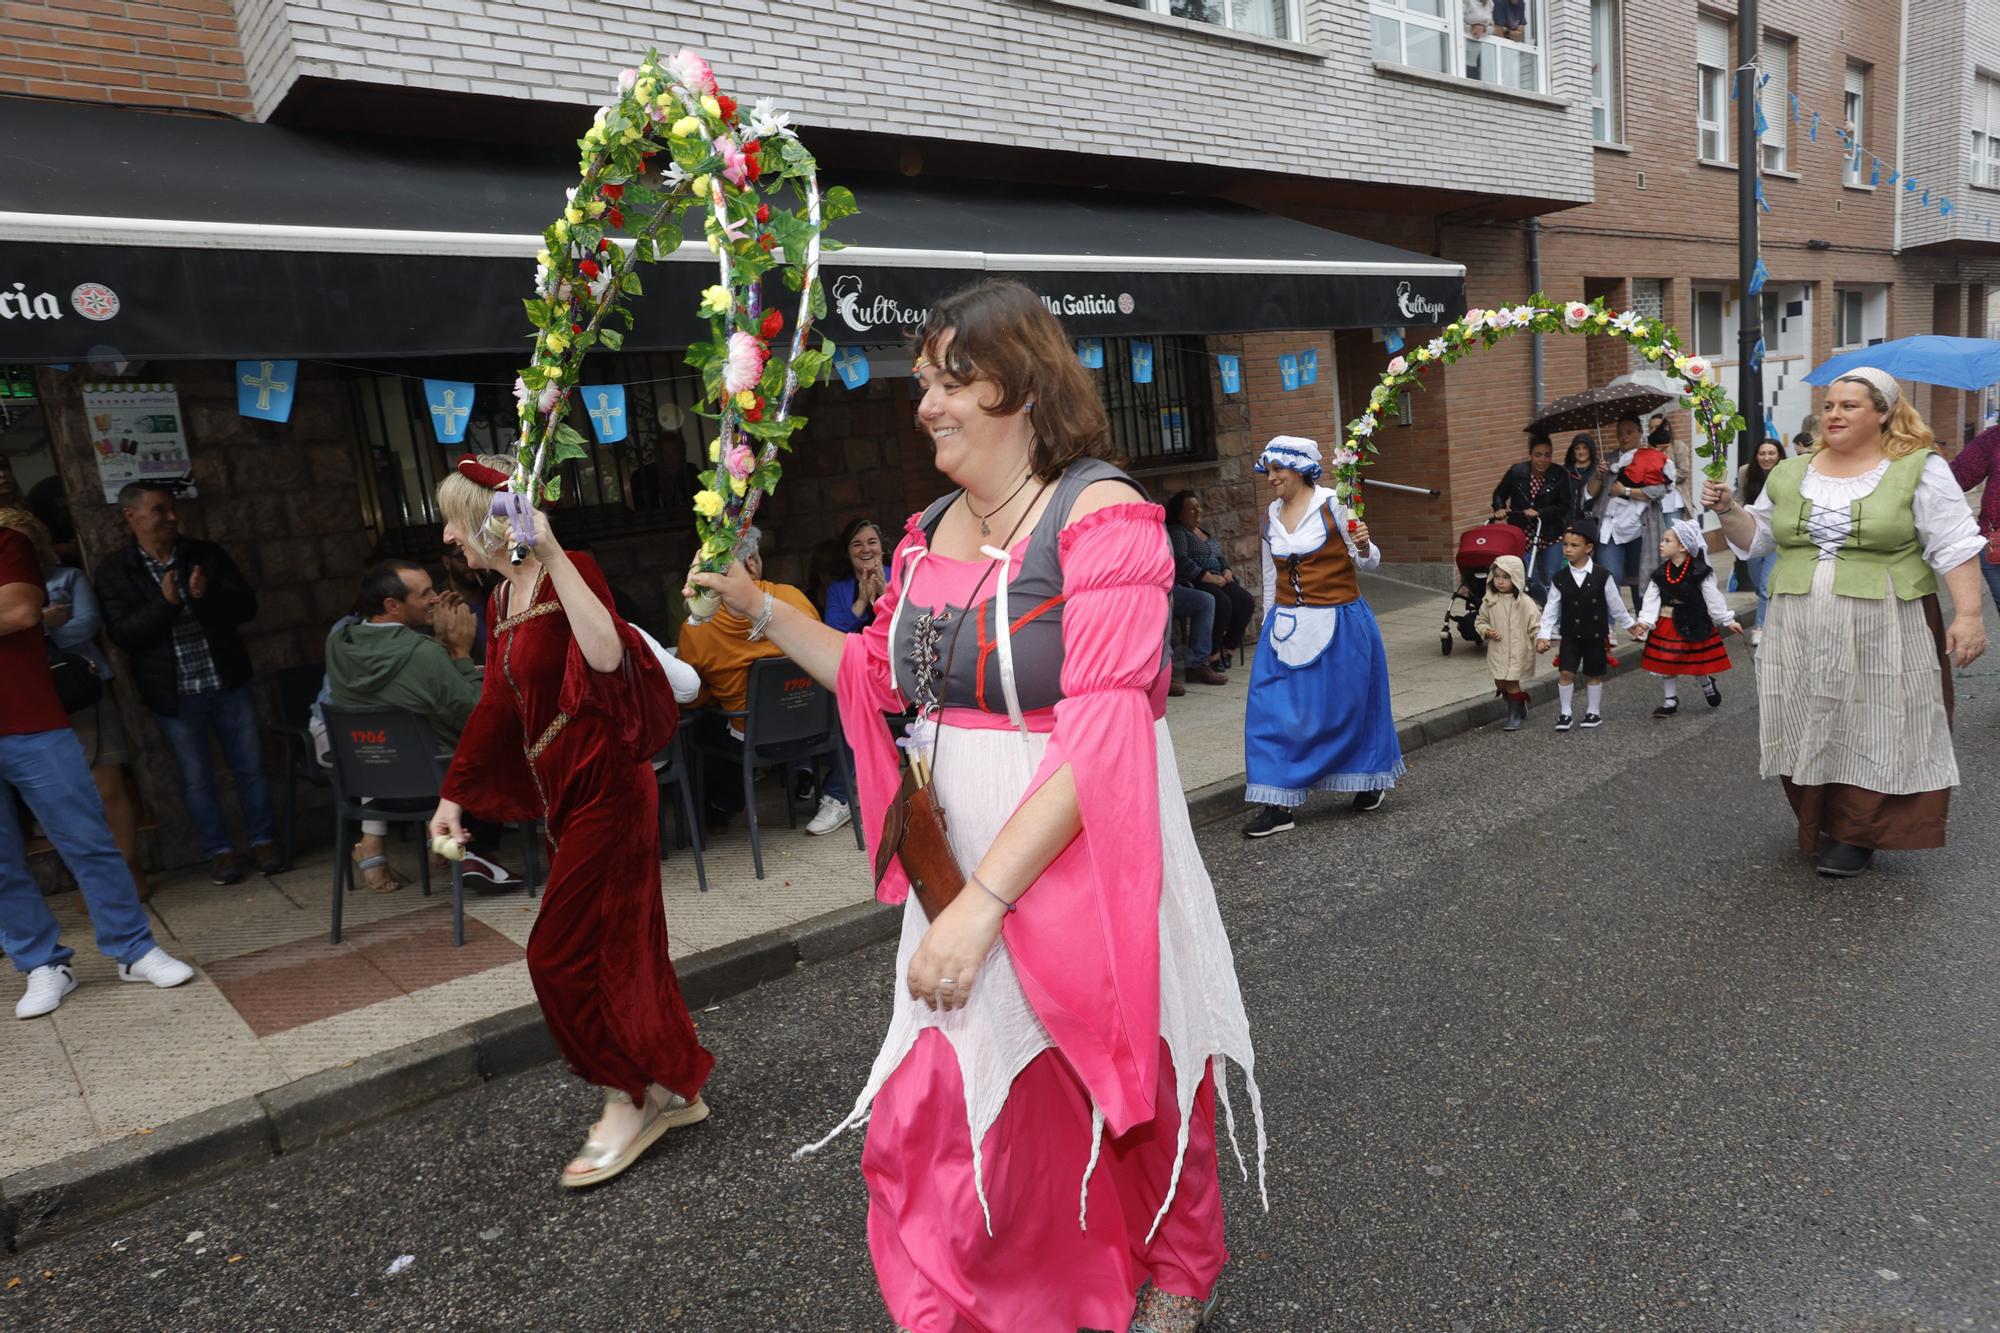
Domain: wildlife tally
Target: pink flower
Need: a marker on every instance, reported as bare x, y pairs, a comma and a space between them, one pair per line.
735, 162
626, 79
1398, 366
1698, 368
691, 72
1575, 313
740, 461
745, 365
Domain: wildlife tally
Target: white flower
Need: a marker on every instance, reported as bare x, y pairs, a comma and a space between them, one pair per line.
1525, 314
1626, 321
626, 79
1575, 313
1475, 320
520, 394
1437, 347
551, 395
766, 120
1365, 427
673, 177
600, 284
1398, 365
1500, 319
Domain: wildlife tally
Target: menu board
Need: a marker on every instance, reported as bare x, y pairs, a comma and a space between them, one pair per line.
135, 431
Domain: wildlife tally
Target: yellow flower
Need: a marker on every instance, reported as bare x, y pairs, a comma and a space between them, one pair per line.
708, 504
1423, 354
1654, 353
561, 229
1681, 364
700, 186
665, 101
1602, 319
746, 399
573, 215
738, 485
630, 136
686, 127
715, 243
644, 90
715, 301
715, 451
711, 106
595, 208
545, 259
555, 340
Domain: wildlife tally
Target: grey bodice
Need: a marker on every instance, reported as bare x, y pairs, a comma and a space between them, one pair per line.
1024, 642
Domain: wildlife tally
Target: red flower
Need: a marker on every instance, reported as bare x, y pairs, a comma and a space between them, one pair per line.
765, 241
763, 212
756, 412
728, 105
612, 191
602, 245
616, 215
589, 268
774, 321
1353, 524
576, 328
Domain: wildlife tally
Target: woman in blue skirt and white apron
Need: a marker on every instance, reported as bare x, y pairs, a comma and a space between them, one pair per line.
1318, 716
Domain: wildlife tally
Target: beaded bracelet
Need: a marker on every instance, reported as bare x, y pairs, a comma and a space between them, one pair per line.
763, 621
1011, 907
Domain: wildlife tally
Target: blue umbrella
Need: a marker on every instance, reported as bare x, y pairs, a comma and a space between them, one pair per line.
1956, 363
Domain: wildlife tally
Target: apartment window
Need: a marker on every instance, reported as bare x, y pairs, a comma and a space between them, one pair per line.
1860, 315
1985, 165
1854, 108
1607, 72
1776, 99
1492, 41
1709, 304
1261, 18
1712, 73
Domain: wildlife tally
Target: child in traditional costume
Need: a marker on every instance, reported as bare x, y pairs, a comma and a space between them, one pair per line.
1318, 717
1507, 620
1687, 639
1583, 605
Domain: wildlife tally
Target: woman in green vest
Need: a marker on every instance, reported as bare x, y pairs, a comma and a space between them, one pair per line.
1853, 677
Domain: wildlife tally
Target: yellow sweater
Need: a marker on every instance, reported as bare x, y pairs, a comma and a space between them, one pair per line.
721, 652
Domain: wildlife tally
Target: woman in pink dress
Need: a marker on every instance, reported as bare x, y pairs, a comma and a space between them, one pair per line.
1041, 1152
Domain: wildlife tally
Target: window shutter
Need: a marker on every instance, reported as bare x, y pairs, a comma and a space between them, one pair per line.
1775, 99
1857, 80
1711, 42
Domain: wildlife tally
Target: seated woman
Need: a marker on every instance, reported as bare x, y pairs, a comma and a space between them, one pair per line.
1199, 563
850, 602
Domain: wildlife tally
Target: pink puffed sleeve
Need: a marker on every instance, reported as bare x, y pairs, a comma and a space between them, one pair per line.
1086, 940
635, 699
866, 689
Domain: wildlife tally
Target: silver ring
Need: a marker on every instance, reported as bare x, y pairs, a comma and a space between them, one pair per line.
947, 981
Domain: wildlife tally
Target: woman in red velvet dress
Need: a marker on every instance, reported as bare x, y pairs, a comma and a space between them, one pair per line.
573, 709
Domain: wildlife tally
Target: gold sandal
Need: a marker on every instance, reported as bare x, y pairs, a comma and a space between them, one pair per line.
607, 1160
388, 883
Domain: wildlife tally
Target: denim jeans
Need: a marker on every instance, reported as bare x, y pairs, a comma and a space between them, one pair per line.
50, 772
1543, 572
1621, 558
1992, 573
231, 716
1758, 572
1198, 609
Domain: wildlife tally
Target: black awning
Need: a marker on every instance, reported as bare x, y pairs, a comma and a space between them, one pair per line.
145, 236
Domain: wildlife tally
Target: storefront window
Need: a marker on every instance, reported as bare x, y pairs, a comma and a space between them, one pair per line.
1167, 421
1492, 41
645, 480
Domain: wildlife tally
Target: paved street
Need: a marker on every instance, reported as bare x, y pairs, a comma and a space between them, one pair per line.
1566, 1038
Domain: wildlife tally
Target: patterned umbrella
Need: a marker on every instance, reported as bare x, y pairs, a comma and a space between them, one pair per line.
1593, 407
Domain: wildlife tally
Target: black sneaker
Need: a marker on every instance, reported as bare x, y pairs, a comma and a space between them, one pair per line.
1843, 860
1367, 802
804, 787
226, 869
1271, 819
1711, 691
1592, 720
1564, 722
269, 860
1668, 709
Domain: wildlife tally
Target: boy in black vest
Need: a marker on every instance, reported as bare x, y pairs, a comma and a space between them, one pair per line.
1582, 606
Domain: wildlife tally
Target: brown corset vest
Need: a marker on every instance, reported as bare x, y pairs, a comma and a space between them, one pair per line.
1325, 577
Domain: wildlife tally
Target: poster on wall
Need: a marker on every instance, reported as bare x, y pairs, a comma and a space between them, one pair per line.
135, 431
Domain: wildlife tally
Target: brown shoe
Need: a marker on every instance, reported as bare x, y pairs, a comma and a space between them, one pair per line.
1206, 675
225, 869
268, 859
1174, 687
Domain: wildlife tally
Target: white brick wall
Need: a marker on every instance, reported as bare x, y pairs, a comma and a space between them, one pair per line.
1950, 42
1030, 73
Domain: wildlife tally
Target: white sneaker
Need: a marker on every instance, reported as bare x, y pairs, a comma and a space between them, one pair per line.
159, 967
1756, 636
832, 815
46, 988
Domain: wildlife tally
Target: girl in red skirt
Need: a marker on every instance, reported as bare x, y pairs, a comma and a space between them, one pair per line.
1688, 640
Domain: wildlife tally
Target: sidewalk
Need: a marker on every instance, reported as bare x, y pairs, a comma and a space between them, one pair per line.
282, 1038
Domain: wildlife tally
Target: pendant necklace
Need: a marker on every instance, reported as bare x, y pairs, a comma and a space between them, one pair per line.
985, 530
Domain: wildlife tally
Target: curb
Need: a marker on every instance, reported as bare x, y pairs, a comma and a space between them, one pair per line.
62, 1197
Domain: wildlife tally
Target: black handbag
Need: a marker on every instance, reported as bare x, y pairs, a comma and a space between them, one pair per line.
76, 682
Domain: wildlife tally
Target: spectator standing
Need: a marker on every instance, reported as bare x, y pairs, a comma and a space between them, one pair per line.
850, 602
721, 650
1586, 470
1634, 520
1977, 462
174, 603
42, 763
1534, 497
1199, 563
1755, 573
71, 620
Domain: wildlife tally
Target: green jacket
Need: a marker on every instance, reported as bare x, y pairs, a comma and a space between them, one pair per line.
393, 666
1884, 550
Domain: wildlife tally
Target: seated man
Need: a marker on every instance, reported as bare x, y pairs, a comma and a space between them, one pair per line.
407, 648
721, 651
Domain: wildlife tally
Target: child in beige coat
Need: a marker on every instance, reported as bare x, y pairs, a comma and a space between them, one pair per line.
1507, 620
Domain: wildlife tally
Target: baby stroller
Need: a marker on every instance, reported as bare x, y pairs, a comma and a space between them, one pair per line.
1478, 548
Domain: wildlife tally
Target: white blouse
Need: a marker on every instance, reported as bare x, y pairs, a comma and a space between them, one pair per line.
1711, 597
1944, 520
1308, 537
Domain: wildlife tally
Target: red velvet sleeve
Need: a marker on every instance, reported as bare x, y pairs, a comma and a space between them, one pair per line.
636, 699
489, 765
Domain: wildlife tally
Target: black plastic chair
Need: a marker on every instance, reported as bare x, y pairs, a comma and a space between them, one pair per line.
670, 768
298, 686
788, 718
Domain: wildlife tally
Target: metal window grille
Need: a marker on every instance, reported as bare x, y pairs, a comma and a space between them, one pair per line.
1170, 420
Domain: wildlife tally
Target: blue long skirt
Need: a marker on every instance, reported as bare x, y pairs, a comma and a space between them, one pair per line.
1326, 726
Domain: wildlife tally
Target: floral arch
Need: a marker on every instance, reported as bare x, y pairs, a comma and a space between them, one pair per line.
1656, 340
